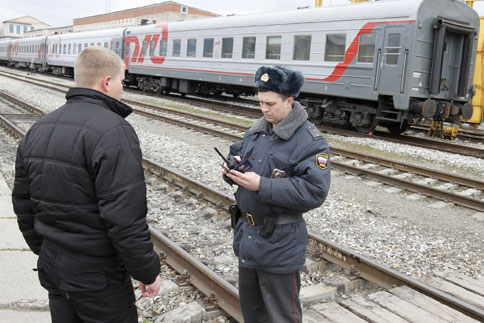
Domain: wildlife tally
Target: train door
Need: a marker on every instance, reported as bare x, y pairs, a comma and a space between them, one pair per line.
451, 59
393, 61
451, 63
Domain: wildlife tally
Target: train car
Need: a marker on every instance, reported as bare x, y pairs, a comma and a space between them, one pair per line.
4, 51
62, 50
27, 52
387, 62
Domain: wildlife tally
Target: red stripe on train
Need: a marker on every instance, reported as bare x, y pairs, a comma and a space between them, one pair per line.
353, 50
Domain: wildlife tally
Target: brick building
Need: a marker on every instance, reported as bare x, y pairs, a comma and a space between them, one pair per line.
155, 13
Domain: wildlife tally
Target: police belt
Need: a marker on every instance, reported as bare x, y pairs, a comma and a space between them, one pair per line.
254, 220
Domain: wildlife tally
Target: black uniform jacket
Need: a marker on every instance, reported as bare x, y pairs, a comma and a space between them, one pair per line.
79, 185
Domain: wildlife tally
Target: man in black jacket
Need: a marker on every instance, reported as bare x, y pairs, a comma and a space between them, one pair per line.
80, 199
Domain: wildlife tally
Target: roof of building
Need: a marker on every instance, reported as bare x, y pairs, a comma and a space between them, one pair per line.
28, 20
146, 7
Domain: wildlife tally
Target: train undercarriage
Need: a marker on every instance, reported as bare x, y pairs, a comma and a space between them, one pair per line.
362, 115
184, 87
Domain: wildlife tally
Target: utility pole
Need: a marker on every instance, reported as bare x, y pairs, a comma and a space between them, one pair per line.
108, 6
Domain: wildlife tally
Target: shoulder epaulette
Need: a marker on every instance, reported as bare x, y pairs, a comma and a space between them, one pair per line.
314, 131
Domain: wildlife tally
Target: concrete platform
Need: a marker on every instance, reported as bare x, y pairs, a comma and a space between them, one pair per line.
22, 298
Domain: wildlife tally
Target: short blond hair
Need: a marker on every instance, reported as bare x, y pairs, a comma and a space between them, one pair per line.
94, 63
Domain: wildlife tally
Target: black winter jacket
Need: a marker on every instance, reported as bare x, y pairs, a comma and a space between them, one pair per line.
79, 184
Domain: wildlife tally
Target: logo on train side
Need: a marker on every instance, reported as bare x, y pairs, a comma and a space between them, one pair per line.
137, 54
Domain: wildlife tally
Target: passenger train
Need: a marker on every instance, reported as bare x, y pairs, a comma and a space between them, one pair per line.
387, 62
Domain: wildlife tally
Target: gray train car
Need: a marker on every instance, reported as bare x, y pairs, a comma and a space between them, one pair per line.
4, 51
387, 62
27, 52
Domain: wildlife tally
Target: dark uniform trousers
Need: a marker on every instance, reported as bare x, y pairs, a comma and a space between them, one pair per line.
83, 292
269, 298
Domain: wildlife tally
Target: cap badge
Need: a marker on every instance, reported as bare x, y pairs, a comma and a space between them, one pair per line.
264, 77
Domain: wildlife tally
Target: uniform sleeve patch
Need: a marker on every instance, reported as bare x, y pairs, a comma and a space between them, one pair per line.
322, 160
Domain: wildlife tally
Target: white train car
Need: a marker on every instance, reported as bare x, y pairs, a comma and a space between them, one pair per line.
27, 52
4, 51
63, 49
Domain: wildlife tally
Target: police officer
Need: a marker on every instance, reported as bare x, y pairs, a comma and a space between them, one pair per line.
80, 198
289, 175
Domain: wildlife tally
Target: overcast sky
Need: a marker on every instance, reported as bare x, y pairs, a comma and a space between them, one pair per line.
61, 13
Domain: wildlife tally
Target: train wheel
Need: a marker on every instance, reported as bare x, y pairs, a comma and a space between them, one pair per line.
368, 129
395, 128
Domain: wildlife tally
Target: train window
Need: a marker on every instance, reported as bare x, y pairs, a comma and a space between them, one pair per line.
106, 44
335, 48
366, 48
64, 50
143, 49
176, 47
163, 47
92, 44
69, 49
227, 47
393, 49
273, 47
302, 48
74, 49
208, 47
248, 47
99, 44
86, 45
191, 47
79, 49
152, 48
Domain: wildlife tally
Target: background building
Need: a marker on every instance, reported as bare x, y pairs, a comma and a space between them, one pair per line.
156, 13
18, 27
49, 31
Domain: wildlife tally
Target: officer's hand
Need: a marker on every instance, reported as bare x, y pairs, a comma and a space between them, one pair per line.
152, 289
225, 167
249, 180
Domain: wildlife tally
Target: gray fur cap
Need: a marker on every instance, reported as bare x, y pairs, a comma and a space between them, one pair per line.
279, 79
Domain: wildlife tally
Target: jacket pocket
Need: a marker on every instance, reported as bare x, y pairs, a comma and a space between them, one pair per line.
280, 250
280, 165
83, 282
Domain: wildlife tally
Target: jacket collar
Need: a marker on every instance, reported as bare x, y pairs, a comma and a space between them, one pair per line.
110, 103
286, 128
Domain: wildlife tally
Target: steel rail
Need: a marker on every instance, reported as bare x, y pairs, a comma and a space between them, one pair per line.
414, 187
432, 144
189, 125
11, 128
186, 115
461, 180
202, 277
22, 104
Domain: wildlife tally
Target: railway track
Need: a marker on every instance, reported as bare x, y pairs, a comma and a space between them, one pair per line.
255, 112
226, 295
462, 195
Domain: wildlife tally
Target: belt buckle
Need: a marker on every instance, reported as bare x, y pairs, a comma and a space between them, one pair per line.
250, 220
